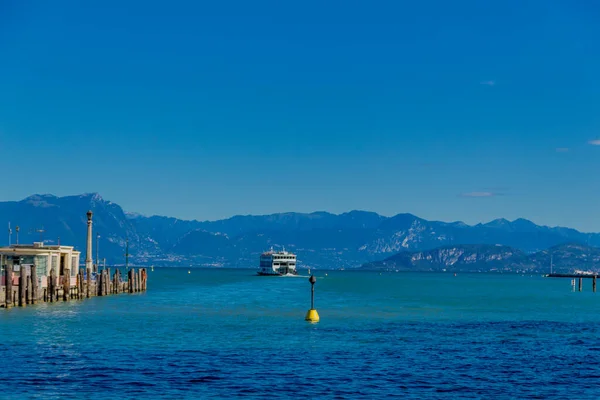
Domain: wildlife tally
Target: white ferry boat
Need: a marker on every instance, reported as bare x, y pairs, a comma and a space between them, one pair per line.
277, 263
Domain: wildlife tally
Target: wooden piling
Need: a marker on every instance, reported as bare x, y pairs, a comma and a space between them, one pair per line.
67, 285
28, 289
22, 286
78, 284
594, 283
81, 284
34, 285
116, 282
130, 280
580, 283
51, 285
100, 283
8, 276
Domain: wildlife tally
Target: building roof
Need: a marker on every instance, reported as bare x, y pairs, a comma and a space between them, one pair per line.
37, 247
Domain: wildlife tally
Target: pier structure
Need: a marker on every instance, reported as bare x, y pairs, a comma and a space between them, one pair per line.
32, 273
579, 278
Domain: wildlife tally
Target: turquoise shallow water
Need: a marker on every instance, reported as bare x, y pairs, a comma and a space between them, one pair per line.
228, 333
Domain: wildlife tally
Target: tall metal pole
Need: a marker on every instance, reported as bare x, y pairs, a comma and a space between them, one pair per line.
17, 229
126, 254
97, 249
312, 294
9, 235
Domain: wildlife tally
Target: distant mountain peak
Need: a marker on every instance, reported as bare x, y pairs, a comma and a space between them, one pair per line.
133, 215
498, 222
92, 196
40, 200
39, 197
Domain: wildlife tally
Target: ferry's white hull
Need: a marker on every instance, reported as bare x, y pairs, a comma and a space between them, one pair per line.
275, 273
277, 264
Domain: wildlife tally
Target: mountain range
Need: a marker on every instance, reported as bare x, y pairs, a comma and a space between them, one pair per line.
321, 239
564, 258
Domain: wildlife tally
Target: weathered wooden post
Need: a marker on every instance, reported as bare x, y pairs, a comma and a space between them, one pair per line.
107, 290
22, 286
130, 280
67, 285
116, 282
78, 284
34, 285
81, 289
52, 284
101, 284
104, 281
594, 283
580, 283
28, 289
137, 280
8, 276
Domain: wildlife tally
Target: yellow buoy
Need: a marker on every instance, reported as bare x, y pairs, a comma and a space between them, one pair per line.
312, 315
189, 272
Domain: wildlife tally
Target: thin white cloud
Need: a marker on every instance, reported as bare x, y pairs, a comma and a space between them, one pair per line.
595, 142
562, 149
488, 83
479, 194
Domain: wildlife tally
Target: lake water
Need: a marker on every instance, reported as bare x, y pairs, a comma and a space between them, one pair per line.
228, 333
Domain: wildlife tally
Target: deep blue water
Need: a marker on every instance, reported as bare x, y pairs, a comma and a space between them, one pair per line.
228, 333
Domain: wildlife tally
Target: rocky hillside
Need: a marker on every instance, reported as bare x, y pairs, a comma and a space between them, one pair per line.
565, 258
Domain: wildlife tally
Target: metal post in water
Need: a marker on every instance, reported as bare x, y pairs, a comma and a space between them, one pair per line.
312, 315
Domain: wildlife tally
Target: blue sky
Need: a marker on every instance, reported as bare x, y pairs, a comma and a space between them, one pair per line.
449, 110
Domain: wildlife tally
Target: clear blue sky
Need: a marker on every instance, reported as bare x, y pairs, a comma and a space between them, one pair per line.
465, 110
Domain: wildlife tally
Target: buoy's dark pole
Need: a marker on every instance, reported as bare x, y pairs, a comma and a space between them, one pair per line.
312, 281
312, 315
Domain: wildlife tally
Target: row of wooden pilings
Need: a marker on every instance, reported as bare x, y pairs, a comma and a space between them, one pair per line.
59, 287
594, 278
